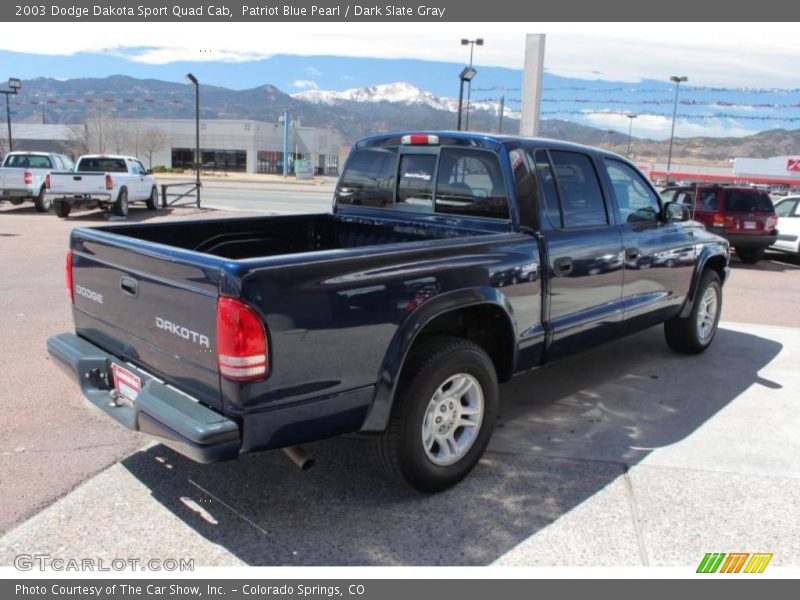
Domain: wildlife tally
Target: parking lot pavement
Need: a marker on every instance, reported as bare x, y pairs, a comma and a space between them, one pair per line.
49, 442
624, 455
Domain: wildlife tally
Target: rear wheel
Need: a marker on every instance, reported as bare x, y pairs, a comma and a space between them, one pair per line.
152, 201
62, 209
443, 415
693, 334
750, 255
120, 207
42, 202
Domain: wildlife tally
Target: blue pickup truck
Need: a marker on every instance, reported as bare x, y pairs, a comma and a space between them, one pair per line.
449, 263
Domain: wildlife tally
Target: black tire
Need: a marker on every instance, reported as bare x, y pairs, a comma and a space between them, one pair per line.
42, 203
17, 201
431, 364
120, 206
750, 256
684, 335
62, 209
152, 201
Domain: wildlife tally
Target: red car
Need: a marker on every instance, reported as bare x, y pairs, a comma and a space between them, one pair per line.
744, 216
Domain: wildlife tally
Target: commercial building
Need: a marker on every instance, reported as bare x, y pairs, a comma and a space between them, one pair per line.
237, 145
777, 171
226, 145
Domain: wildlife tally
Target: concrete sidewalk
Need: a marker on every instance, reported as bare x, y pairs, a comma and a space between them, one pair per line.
623, 455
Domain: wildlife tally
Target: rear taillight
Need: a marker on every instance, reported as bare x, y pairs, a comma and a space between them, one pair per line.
68, 277
241, 341
109, 183
47, 182
28, 177
719, 221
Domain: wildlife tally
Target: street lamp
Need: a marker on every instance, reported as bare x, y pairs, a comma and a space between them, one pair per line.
677, 81
471, 44
466, 75
14, 85
630, 116
193, 80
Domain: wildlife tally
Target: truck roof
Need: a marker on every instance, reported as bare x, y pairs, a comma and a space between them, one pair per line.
485, 140
122, 156
33, 152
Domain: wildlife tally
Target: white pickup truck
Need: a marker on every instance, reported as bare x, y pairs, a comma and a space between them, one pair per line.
103, 180
24, 174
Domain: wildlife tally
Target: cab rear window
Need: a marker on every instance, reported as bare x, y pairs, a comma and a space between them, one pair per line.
454, 181
28, 161
102, 165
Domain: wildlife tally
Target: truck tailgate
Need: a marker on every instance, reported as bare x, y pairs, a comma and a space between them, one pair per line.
155, 309
77, 183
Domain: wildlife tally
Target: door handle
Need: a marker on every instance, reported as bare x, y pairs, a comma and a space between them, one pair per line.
562, 265
129, 286
631, 253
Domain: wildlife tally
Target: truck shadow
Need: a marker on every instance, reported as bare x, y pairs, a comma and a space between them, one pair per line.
565, 432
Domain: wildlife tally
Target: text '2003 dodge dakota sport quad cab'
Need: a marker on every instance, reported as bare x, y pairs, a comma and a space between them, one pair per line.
449, 263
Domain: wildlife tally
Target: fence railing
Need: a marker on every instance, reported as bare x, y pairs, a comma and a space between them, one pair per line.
192, 191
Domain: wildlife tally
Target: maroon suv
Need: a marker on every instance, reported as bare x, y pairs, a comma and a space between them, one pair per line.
744, 216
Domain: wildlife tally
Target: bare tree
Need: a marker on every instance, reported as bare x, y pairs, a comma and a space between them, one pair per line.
3, 142
152, 140
78, 142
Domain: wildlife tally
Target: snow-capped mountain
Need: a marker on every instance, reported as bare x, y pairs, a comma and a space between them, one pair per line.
399, 93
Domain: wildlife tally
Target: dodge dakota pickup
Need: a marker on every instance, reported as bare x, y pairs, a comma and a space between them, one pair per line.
103, 180
448, 263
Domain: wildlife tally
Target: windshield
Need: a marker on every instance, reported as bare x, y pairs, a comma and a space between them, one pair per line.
748, 201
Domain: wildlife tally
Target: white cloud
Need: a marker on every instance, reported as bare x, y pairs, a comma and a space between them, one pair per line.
313, 71
747, 54
658, 127
305, 84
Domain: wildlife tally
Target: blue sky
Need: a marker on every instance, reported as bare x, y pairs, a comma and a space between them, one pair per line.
592, 75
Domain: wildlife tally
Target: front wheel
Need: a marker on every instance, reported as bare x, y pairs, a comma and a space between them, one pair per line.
693, 334
750, 256
120, 207
42, 202
443, 415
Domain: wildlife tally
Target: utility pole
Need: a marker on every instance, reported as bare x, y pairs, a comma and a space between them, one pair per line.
677, 81
285, 142
502, 112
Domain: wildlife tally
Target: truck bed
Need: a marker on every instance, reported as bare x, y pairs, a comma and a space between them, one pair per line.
271, 236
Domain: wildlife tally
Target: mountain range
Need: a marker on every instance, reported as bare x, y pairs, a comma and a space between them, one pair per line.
355, 113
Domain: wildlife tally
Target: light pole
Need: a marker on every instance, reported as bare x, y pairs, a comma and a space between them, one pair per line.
466, 75
677, 80
630, 116
285, 120
471, 44
14, 86
193, 80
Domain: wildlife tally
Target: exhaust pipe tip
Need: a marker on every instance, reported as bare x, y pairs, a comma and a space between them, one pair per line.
298, 455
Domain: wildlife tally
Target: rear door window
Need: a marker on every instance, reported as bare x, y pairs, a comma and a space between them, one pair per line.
708, 200
369, 179
582, 203
747, 201
785, 208
470, 182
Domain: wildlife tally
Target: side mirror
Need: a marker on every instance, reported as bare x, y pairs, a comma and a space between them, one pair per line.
149, 172
676, 213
